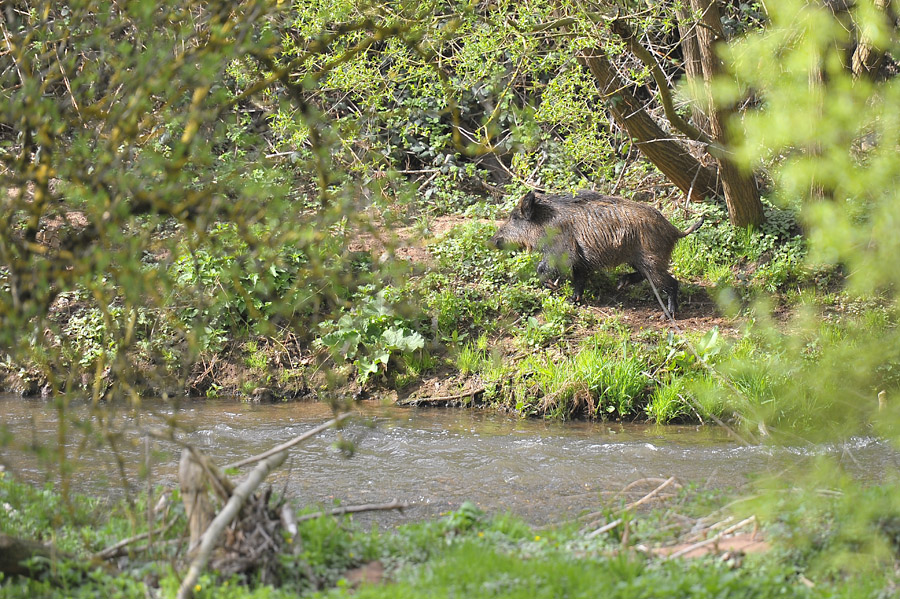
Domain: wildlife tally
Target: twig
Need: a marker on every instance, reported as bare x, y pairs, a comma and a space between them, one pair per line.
113, 550
708, 529
224, 518
355, 509
68, 86
604, 528
714, 539
650, 495
622, 172
640, 481
289, 444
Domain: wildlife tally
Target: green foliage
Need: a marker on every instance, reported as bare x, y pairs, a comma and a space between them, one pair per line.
473, 356
764, 261
369, 334
329, 547
465, 252
667, 403
845, 540
476, 283
831, 527
143, 222
42, 514
472, 569
557, 313
689, 354
829, 140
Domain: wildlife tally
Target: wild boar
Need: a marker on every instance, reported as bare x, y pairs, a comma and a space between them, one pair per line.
583, 232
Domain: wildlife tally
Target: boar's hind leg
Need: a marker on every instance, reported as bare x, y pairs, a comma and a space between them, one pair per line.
664, 283
631, 278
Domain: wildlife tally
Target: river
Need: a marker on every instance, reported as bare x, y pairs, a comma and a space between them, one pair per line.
433, 458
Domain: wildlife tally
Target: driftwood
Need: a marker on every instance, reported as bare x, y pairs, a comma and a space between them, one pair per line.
440, 401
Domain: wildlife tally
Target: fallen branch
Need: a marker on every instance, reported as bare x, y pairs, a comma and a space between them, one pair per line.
437, 400
289, 444
650, 495
113, 550
627, 488
702, 532
355, 509
211, 537
605, 528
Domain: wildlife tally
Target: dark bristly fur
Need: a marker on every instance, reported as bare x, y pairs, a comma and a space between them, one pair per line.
587, 231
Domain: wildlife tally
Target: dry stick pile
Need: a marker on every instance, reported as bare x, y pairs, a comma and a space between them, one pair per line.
247, 534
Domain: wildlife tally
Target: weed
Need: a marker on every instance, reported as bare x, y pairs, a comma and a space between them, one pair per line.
256, 357
593, 383
369, 334
472, 357
667, 403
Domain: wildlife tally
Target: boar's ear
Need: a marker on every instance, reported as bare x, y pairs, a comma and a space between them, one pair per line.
526, 205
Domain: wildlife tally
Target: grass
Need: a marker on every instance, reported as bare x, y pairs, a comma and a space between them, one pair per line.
475, 569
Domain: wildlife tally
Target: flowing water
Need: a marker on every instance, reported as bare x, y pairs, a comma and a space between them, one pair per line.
433, 458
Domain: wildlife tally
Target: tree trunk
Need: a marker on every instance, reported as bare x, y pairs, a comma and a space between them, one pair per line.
866, 58
670, 157
197, 506
741, 194
693, 69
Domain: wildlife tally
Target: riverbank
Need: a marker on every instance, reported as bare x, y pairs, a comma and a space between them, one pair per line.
700, 544
460, 323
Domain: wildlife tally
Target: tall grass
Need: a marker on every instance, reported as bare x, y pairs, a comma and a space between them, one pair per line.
592, 383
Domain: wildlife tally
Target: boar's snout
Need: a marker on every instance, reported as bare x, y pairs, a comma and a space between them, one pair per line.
499, 242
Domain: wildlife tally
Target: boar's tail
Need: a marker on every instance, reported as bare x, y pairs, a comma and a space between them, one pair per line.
692, 228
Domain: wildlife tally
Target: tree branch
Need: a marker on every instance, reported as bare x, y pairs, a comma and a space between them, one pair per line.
621, 28
289, 444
